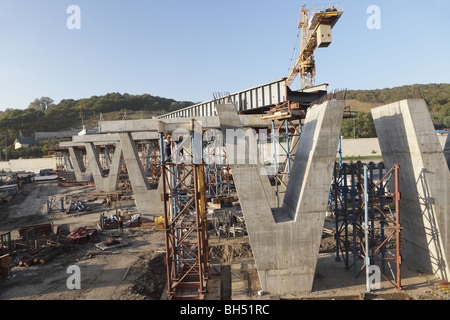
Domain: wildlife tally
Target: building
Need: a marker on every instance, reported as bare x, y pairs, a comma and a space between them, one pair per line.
60, 134
25, 143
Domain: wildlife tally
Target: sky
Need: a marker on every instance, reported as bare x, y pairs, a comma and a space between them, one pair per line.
188, 50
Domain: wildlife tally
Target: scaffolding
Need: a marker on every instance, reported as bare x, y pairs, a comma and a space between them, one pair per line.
285, 137
185, 219
150, 155
367, 217
185, 226
217, 170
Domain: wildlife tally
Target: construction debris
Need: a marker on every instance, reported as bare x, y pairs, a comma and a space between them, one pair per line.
228, 223
53, 204
5, 267
109, 223
40, 256
37, 230
442, 290
81, 235
111, 243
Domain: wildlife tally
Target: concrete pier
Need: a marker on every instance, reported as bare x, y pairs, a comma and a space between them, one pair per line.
407, 137
81, 172
285, 241
104, 182
148, 200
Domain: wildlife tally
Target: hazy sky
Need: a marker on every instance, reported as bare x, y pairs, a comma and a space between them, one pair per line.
187, 50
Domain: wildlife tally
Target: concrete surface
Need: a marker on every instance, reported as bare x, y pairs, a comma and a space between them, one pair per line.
104, 182
132, 272
28, 165
369, 147
407, 137
172, 124
286, 242
81, 172
148, 200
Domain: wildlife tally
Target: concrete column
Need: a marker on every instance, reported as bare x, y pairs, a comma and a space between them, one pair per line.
286, 241
67, 162
81, 173
104, 183
147, 200
241, 137
116, 168
407, 137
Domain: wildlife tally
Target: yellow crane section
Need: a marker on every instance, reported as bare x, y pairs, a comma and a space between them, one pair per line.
316, 33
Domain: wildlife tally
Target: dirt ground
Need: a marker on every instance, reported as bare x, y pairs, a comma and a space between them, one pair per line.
129, 272
135, 270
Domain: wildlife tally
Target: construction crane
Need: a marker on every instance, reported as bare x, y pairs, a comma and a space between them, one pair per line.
316, 33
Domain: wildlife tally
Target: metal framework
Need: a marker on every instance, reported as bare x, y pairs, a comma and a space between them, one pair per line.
367, 218
185, 219
5, 243
185, 226
217, 170
285, 138
150, 159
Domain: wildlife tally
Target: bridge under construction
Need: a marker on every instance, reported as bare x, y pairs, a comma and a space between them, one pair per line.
277, 149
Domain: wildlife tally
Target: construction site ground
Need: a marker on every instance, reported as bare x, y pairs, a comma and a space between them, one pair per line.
135, 269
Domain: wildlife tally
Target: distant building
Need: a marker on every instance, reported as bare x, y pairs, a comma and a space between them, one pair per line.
86, 131
25, 143
64, 134
60, 134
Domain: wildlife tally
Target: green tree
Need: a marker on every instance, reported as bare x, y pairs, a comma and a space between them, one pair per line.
41, 104
362, 126
447, 122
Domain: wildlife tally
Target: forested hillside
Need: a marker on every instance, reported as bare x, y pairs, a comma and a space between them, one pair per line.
437, 97
44, 115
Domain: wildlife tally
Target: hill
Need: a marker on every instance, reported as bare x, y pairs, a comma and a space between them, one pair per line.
436, 96
44, 115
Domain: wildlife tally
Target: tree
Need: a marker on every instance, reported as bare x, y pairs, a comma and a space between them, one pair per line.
41, 104
447, 122
360, 127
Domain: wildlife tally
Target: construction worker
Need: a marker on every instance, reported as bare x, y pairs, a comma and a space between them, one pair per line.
120, 224
179, 142
168, 148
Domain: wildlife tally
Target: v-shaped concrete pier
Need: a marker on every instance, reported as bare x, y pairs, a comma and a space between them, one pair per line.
109, 182
147, 200
407, 137
286, 241
81, 172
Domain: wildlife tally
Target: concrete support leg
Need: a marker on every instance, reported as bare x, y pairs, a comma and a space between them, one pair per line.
148, 200
407, 137
104, 183
67, 162
286, 240
81, 173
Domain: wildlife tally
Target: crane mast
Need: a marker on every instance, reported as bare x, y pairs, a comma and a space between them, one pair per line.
316, 33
